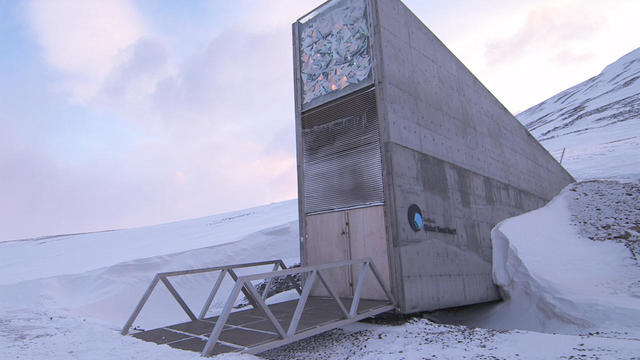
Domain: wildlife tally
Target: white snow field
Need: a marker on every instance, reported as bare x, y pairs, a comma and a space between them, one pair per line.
569, 271
554, 279
66, 296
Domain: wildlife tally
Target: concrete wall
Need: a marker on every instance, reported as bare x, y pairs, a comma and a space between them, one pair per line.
450, 147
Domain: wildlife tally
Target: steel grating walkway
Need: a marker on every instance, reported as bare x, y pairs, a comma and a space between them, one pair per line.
251, 328
263, 326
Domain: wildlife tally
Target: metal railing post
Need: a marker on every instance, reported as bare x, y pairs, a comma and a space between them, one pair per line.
264, 308
163, 276
374, 269
356, 295
289, 278
334, 295
136, 312
178, 298
234, 276
222, 319
212, 294
306, 290
268, 285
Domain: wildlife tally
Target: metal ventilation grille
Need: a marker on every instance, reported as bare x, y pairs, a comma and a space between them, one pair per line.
341, 155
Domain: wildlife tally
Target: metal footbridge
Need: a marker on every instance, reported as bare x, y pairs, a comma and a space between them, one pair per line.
259, 326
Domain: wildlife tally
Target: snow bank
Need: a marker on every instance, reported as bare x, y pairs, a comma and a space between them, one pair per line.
67, 297
72, 254
555, 280
98, 277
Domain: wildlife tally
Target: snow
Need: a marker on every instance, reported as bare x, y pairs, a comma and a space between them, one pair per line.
423, 339
42, 335
58, 292
554, 278
612, 152
571, 283
558, 273
36, 334
53, 256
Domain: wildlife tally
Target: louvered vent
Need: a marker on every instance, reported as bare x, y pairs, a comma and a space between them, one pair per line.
341, 156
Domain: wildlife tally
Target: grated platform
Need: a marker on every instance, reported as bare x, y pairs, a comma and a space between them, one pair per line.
251, 328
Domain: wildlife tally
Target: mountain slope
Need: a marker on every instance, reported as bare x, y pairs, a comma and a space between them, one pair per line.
44, 257
596, 121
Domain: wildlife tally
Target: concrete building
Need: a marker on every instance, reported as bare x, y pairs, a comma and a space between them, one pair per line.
405, 157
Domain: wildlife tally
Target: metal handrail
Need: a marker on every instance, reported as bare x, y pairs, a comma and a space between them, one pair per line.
244, 284
224, 270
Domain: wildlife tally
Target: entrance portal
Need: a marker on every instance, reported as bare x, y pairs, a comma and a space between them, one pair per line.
348, 235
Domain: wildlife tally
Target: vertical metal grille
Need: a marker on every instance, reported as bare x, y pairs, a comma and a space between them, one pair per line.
341, 155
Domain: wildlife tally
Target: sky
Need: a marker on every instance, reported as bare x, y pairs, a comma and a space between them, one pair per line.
124, 113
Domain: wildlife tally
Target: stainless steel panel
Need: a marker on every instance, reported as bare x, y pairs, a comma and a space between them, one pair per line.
367, 239
344, 235
326, 242
342, 166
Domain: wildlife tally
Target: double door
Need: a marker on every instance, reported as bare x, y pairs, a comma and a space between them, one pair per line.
346, 235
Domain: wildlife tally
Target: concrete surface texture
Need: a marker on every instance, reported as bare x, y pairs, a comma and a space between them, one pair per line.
453, 149
447, 145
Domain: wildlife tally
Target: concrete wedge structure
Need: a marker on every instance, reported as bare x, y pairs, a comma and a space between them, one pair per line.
405, 157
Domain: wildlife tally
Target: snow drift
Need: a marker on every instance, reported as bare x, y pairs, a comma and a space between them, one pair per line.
555, 279
101, 276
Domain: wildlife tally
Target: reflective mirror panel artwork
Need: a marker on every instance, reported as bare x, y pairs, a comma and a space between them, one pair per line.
334, 49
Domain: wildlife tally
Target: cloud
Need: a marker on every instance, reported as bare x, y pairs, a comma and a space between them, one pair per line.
131, 84
228, 109
266, 16
153, 134
147, 61
210, 133
543, 47
84, 39
564, 27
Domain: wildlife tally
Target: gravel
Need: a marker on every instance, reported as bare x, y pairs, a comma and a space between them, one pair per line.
605, 210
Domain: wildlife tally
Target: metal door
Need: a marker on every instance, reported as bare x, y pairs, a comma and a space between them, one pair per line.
348, 235
326, 241
367, 238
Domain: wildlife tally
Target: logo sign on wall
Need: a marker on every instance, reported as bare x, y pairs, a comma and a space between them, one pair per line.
415, 217
416, 221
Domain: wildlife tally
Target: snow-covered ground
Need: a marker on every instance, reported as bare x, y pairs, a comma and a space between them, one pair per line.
555, 280
66, 297
423, 339
569, 272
